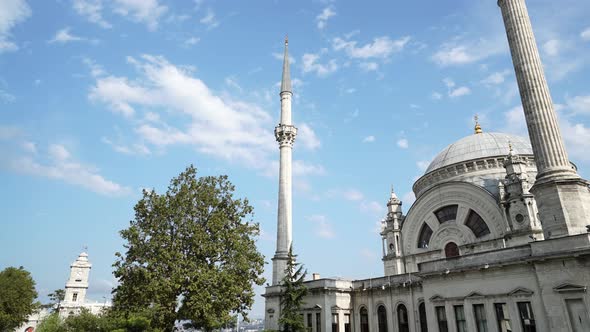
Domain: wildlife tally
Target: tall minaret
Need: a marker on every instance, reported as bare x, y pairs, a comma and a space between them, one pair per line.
285, 134
562, 196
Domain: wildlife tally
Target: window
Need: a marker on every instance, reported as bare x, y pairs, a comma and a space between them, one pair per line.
364, 320
74, 297
477, 225
481, 322
441, 318
346, 322
382, 318
447, 213
451, 250
502, 317
318, 322
334, 322
527, 319
402, 319
423, 320
460, 319
424, 238
309, 323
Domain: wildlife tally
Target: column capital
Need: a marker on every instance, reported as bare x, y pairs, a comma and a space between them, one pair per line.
285, 135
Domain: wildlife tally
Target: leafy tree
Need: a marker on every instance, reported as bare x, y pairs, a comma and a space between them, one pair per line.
292, 294
51, 323
55, 299
191, 255
106, 322
17, 297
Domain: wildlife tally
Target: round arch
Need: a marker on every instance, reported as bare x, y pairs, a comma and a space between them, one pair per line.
468, 197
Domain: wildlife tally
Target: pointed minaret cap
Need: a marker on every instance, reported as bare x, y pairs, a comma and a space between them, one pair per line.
477, 126
286, 81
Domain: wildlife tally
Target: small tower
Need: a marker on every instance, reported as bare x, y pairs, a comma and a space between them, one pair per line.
76, 286
518, 204
391, 237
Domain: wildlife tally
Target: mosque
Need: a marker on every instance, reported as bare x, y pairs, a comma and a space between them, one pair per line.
498, 238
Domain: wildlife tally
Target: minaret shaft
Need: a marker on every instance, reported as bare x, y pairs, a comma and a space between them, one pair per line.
562, 197
285, 134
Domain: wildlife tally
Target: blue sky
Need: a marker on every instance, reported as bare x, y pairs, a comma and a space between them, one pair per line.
101, 98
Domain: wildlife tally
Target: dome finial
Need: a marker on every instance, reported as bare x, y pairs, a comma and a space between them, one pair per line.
510, 150
477, 126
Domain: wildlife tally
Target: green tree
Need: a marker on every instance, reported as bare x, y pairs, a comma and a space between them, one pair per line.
191, 254
55, 299
292, 294
51, 323
17, 297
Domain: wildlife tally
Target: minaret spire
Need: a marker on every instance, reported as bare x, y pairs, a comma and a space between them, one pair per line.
285, 134
562, 196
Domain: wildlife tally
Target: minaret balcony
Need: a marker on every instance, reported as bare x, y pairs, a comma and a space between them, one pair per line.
285, 134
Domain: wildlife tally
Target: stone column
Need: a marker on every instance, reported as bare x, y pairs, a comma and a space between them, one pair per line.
285, 134
562, 196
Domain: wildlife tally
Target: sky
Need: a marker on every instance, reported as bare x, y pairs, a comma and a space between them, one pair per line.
102, 98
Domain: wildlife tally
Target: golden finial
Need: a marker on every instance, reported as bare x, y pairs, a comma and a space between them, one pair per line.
477, 126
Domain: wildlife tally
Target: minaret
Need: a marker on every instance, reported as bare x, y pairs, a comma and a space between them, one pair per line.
77, 285
285, 134
562, 196
391, 237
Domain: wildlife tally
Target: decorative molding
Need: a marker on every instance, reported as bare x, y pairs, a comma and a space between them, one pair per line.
568, 288
520, 291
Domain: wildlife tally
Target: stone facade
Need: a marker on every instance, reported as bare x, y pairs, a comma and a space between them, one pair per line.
498, 238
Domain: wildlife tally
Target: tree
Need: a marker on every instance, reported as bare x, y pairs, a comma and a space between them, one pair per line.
191, 254
17, 297
55, 299
292, 294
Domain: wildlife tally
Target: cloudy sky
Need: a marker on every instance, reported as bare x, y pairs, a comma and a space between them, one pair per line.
101, 98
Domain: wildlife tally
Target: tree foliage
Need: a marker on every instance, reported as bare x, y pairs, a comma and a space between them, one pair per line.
191, 254
55, 298
17, 297
292, 294
87, 322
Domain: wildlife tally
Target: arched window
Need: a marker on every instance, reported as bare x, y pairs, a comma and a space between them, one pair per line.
364, 320
447, 213
402, 319
451, 250
382, 318
477, 225
423, 320
424, 238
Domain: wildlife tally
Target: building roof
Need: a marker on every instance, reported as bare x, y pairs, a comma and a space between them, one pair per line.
482, 145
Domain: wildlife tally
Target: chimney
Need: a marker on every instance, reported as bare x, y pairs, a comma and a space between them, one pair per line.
315, 276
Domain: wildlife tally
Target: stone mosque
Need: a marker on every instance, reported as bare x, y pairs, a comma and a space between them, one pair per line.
498, 238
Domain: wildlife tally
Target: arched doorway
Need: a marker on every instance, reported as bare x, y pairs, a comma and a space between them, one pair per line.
382, 318
364, 320
423, 320
451, 250
402, 319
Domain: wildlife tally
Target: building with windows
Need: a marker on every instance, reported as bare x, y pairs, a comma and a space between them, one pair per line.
498, 238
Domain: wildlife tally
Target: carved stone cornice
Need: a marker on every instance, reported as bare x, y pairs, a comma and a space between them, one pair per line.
285, 135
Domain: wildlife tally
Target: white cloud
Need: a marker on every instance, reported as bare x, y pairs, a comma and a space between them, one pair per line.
369, 66
577, 139
310, 64
12, 12
192, 41
408, 199
423, 164
352, 195
209, 19
307, 137
6, 97
323, 228
302, 168
232, 82
369, 139
138, 149
457, 52
579, 104
496, 78
381, 47
30, 147
515, 122
96, 70
64, 35
324, 16
142, 11
92, 11
61, 166
372, 207
280, 56
459, 92
552, 47
436, 96
403, 143
585, 35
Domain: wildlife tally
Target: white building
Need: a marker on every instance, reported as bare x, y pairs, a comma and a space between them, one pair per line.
498, 238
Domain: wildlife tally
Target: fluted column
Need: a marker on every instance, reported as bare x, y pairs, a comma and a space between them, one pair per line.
562, 197
550, 154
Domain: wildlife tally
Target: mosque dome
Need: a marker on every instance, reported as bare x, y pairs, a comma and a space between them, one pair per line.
478, 146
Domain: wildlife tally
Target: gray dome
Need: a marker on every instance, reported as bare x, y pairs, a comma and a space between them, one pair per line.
480, 146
